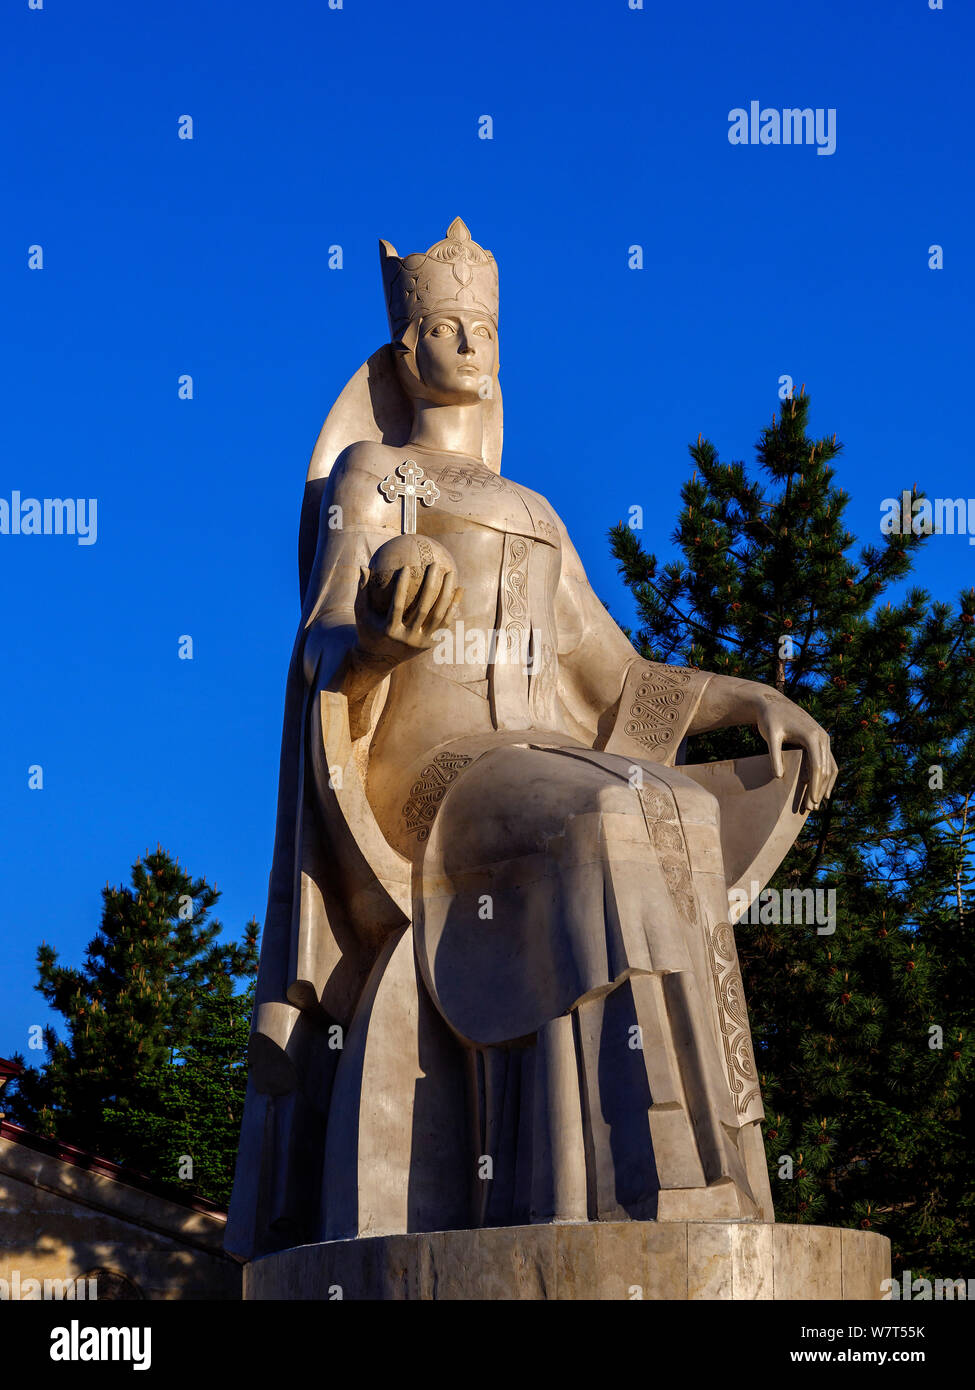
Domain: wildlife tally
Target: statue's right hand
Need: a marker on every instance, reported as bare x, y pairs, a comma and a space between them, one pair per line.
390, 637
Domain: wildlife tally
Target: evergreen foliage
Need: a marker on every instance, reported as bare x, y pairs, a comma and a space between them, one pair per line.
863, 1037
151, 1069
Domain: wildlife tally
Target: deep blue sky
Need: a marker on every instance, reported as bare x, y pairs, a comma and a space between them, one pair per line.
315, 127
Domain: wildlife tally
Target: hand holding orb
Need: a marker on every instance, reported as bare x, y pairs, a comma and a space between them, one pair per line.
405, 596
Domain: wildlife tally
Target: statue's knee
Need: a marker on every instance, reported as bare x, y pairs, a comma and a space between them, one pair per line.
617, 798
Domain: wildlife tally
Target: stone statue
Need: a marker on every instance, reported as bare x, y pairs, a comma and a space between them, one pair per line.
498, 983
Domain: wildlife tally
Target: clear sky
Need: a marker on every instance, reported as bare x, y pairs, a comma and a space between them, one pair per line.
315, 127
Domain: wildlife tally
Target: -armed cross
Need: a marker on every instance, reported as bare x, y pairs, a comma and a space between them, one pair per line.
412, 486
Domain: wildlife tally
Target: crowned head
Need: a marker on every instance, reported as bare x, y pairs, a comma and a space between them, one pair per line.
443, 316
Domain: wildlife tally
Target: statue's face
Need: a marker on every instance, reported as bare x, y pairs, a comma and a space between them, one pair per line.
454, 353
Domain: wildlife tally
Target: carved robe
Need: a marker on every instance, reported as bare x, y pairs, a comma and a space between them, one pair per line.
498, 982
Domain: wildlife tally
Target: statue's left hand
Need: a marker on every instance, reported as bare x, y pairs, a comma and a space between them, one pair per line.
779, 721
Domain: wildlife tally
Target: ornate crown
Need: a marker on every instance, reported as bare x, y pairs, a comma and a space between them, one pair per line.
454, 274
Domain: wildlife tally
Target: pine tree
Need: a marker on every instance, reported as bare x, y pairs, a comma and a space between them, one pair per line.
863, 1036
151, 1067
193, 1128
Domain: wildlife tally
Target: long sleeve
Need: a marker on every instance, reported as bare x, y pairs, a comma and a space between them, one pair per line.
656, 709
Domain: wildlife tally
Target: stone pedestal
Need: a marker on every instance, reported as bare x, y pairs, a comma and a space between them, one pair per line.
591, 1260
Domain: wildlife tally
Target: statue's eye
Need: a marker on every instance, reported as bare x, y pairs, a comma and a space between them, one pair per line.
441, 330
484, 332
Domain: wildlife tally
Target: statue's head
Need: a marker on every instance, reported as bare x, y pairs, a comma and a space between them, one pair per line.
443, 317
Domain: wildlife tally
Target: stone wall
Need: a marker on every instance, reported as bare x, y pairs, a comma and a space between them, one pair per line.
61, 1221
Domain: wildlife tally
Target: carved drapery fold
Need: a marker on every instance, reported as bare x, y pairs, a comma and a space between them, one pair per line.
667, 837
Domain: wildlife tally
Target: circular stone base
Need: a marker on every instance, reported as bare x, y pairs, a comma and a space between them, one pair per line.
590, 1260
